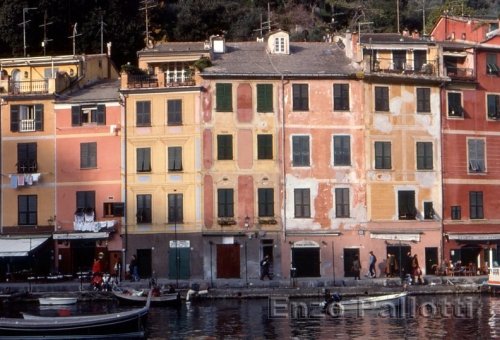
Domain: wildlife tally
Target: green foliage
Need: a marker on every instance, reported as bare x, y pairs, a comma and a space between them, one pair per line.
202, 63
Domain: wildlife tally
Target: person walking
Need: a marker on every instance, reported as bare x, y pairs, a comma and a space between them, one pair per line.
264, 268
417, 272
134, 269
356, 268
372, 261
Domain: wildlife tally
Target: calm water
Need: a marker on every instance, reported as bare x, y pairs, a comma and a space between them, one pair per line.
424, 317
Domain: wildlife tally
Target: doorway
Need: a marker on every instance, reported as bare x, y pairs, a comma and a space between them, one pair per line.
431, 259
183, 265
228, 261
306, 261
144, 257
349, 255
399, 251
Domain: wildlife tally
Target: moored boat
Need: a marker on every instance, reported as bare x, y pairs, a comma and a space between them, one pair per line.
54, 300
126, 323
158, 297
363, 303
494, 277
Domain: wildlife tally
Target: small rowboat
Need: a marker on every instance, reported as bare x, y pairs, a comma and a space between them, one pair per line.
370, 302
158, 298
50, 301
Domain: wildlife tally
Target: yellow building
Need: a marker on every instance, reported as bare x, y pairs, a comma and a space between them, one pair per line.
29, 87
164, 208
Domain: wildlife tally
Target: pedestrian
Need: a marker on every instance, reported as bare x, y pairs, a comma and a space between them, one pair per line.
117, 269
407, 268
417, 272
97, 268
134, 269
372, 261
265, 264
356, 267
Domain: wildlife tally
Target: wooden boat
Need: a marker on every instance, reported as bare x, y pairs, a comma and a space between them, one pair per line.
126, 323
370, 302
44, 301
158, 298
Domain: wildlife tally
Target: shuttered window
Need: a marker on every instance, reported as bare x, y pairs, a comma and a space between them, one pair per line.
88, 155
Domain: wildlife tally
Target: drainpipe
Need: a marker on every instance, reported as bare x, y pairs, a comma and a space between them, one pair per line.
125, 180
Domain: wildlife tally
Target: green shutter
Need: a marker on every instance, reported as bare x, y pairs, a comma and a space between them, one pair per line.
76, 117
224, 97
39, 117
14, 118
264, 97
101, 114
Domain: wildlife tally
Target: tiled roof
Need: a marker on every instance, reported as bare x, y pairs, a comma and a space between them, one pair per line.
102, 91
173, 47
391, 38
305, 58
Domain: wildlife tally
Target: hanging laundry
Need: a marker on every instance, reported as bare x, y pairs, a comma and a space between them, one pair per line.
35, 177
13, 181
28, 179
20, 180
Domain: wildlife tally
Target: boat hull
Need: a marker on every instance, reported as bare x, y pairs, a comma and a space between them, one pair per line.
366, 303
168, 299
50, 301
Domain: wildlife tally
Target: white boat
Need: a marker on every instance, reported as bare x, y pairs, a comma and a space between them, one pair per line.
49, 301
370, 302
494, 277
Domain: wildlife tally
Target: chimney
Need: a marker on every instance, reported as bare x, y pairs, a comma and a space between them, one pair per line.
415, 35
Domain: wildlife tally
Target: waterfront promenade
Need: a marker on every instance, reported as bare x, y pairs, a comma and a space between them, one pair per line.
256, 288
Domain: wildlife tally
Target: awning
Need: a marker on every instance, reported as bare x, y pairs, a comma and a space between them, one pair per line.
396, 236
19, 246
473, 237
82, 236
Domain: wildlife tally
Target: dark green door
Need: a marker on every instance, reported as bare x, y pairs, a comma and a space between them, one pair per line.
431, 259
181, 265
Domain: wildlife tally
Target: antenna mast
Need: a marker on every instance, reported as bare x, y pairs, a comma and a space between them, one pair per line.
147, 5
74, 37
102, 34
45, 40
25, 10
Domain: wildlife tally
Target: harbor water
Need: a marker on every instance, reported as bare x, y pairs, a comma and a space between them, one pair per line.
457, 316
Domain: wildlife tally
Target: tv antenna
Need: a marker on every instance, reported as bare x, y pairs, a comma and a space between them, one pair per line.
74, 37
101, 30
265, 25
44, 25
148, 4
25, 10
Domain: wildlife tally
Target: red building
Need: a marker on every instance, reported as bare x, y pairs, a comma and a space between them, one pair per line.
470, 138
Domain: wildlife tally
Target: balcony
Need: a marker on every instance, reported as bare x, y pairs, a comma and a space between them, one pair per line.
404, 67
27, 87
134, 81
27, 167
460, 73
26, 125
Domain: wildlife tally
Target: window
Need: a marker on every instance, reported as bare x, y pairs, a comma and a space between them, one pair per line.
26, 118
223, 98
144, 208
424, 156
381, 98
428, 211
456, 212
26, 158
476, 155
341, 150
341, 97
300, 151
224, 147
174, 112
300, 97
175, 158
27, 210
264, 146
455, 108
264, 98
88, 114
406, 205
493, 102
423, 99
50, 72
266, 202
341, 202
383, 155
476, 204
399, 60
302, 199
115, 209
85, 201
143, 159
175, 209
225, 201
279, 45
420, 60
88, 155
491, 64
143, 113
